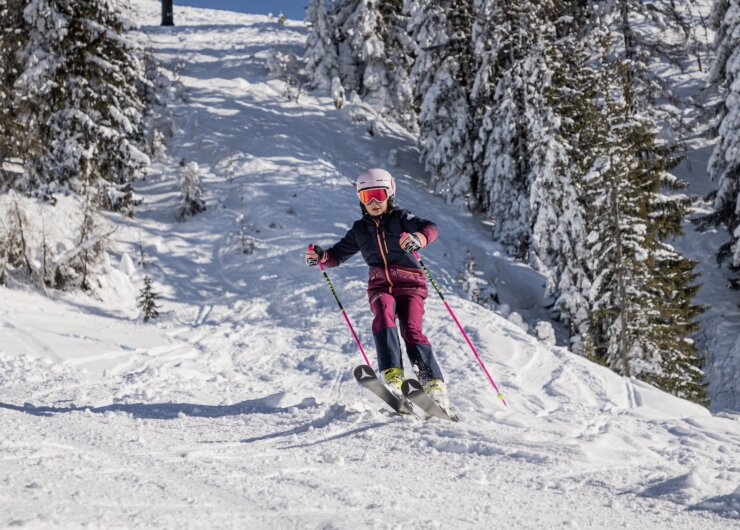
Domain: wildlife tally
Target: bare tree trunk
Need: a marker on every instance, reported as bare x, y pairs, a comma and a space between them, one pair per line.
621, 288
167, 16
629, 54
24, 247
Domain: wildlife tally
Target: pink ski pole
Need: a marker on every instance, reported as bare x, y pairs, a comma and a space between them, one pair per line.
499, 394
344, 313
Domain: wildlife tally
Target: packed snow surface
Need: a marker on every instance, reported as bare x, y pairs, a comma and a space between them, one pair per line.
237, 408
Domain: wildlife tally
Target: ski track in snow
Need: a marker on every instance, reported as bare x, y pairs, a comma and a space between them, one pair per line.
238, 407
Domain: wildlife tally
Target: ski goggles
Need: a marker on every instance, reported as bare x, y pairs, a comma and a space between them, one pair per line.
373, 194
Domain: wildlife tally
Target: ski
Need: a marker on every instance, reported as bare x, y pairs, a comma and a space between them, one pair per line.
413, 390
367, 378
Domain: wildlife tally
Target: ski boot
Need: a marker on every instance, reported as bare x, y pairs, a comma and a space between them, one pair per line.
436, 390
393, 378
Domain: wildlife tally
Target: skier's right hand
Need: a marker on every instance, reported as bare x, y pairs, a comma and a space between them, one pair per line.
314, 255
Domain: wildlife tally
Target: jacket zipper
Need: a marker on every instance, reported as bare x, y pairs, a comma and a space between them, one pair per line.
382, 255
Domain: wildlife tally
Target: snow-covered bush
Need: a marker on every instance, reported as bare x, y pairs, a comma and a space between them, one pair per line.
477, 288
516, 319
283, 64
544, 332
58, 246
190, 191
246, 241
337, 93
229, 166
286, 66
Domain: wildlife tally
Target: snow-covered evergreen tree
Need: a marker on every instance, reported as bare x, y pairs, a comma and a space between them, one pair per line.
442, 76
349, 49
675, 324
558, 208
399, 102
642, 314
647, 35
321, 52
574, 18
512, 73
724, 165
190, 191
362, 52
81, 77
147, 300
618, 256
12, 40
374, 54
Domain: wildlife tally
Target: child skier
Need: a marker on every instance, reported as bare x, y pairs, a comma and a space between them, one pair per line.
387, 237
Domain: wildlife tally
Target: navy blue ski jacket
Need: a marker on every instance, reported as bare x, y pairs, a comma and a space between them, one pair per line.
377, 238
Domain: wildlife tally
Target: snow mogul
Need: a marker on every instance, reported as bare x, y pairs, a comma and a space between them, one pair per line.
387, 237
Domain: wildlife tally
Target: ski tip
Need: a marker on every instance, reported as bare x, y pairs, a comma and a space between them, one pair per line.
410, 385
362, 371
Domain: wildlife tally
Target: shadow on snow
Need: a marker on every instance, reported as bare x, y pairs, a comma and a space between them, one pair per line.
170, 411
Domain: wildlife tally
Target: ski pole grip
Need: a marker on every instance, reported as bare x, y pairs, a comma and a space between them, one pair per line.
320, 264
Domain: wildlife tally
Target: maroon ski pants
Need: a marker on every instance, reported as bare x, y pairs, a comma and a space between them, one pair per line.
409, 309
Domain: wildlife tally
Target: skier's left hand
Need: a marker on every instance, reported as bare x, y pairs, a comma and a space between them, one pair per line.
412, 242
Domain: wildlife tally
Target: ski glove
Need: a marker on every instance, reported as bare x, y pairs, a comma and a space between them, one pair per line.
314, 255
412, 242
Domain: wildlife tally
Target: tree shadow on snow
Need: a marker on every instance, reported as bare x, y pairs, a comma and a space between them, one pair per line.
170, 411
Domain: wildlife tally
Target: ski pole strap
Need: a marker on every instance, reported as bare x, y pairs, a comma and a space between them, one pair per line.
499, 394
344, 314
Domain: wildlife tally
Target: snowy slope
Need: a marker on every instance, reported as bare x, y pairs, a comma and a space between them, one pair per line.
238, 409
